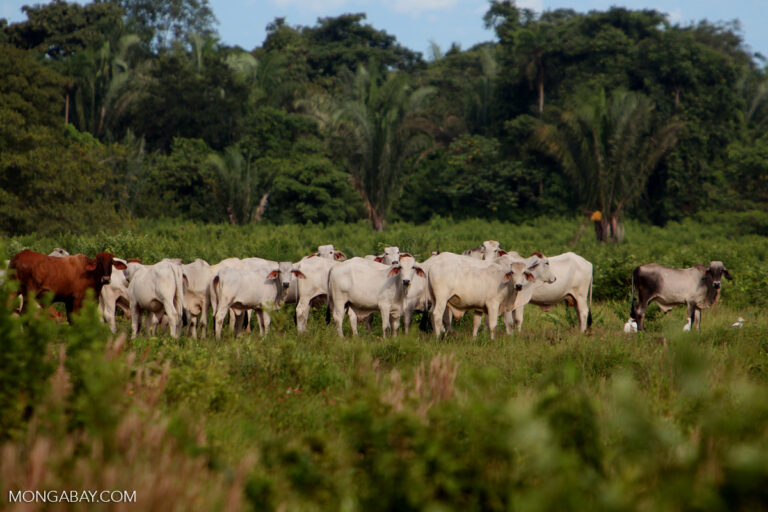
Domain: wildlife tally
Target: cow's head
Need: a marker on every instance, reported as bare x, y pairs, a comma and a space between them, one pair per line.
491, 250
58, 252
517, 275
286, 273
539, 266
391, 255
409, 268
330, 252
716, 272
101, 267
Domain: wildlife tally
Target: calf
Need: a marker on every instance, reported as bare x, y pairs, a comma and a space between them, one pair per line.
697, 287
366, 286
573, 284
156, 289
114, 295
68, 278
197, 276
461, 284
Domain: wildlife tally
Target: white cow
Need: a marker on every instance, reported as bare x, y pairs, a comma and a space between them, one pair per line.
366, 286
114, 295
460, 284
157, 289
416, 297
573, 284
250, 288
329, 252
490, 250
197, 276
312, 282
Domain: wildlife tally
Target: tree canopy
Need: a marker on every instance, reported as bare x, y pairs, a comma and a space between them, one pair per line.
139, 109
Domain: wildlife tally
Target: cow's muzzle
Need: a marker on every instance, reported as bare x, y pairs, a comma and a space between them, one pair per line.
286, 285
106, 280
518, 287
406, 282
716, 285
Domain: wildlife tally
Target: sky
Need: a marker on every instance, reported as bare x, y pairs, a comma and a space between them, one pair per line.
417, 23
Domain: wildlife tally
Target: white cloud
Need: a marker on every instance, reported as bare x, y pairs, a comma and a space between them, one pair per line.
416, 7
310, 5
535, 5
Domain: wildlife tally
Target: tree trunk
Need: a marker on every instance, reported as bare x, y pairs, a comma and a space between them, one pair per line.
378, 221
66, 111
541, 90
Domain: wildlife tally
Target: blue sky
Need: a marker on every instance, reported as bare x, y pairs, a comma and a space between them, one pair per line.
417, 22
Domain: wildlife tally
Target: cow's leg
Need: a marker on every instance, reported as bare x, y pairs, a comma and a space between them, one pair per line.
407, 319
438, 310
218, 320
395, 322
135, 320
691, 316
385, 320
266, 320
248, 317
694, 317
192, 331
513, 319
582, 309
477, 321
239, 317
108, 311
302, 315
260, 320
639, 311
353, 320
338, 317
493, 318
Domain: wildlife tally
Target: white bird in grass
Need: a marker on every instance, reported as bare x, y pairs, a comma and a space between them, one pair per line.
630, 326
738, 323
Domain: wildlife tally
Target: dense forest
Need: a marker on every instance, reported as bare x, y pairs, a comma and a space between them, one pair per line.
126, 109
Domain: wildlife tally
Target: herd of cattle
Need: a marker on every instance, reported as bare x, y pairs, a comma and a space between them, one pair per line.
485, 280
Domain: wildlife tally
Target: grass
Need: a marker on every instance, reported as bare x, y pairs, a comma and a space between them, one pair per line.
541, 420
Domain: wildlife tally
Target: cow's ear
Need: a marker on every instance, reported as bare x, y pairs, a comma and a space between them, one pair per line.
406, 255
394, 271
313, 255
538, 254
273, 274
133, 260
508, 276
91, 265
500, 252
379, 259
529, 276
119, 265
533, 266
339, 255
419, 271
727, 274
184, 280
299, 274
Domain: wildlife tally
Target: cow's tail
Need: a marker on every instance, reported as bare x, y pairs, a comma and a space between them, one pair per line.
589, 306
178, 298
634, 298
213, 292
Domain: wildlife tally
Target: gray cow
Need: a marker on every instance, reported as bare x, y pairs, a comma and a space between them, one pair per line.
697, 287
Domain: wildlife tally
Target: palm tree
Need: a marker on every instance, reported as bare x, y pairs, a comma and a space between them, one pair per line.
608, 147
381, 128
102, 90
238, 187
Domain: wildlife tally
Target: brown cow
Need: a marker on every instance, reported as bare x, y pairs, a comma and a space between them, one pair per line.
68, 278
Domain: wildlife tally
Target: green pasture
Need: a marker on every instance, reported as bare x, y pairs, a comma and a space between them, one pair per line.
548, 419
